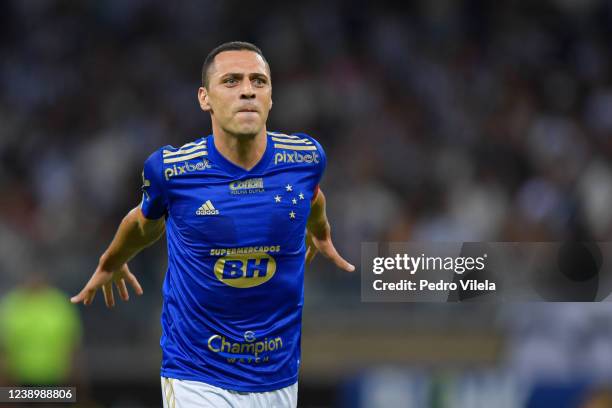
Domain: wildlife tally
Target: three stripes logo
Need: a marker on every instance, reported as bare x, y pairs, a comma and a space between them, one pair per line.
294, 149
186, 152
207, 209
291, 142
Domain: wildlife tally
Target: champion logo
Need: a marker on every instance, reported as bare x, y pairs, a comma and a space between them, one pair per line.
207, 209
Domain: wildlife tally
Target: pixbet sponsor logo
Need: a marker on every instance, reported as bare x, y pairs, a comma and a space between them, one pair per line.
177, 170
295, 157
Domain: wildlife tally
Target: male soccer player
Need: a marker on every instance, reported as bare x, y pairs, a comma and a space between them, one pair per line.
242, 210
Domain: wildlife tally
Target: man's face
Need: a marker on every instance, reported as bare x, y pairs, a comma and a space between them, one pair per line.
239, 94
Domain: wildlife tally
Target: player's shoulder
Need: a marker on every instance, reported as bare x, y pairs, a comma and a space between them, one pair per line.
170, 154
296, 148
188, 151
293, 139
171, 160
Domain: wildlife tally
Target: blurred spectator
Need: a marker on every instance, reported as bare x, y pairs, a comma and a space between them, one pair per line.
601, 398
40, 333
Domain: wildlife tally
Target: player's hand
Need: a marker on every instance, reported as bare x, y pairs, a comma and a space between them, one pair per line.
104, 279
325, 246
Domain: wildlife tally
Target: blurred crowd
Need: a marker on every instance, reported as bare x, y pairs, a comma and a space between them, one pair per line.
442, 121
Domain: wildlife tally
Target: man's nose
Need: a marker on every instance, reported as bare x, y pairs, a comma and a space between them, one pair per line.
247, 91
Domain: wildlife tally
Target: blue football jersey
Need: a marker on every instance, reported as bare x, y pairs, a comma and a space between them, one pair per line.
234, 288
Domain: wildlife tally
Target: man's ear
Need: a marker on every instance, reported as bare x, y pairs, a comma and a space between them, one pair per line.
203, 99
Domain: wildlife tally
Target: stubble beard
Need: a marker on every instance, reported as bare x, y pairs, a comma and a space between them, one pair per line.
244, 131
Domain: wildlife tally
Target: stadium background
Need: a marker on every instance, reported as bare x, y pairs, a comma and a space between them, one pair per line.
442, 120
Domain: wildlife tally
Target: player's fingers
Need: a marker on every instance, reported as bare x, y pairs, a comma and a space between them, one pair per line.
90, 297
330, 251
311, 252
134, 283
109, 299
123, 292
86, 296
343, 263
90, 294
78, 298
125, 269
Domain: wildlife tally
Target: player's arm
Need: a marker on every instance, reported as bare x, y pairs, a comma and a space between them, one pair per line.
318, 235
135, 233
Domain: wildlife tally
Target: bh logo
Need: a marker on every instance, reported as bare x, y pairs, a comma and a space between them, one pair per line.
245, 270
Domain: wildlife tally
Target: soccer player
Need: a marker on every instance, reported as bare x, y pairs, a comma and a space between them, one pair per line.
242, 211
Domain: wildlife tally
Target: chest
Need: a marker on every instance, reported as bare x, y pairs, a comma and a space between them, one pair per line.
219, 210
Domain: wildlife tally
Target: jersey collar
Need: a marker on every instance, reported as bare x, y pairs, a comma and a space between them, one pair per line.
233, 169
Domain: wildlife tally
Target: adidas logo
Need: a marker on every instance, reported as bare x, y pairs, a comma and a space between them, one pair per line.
207, 209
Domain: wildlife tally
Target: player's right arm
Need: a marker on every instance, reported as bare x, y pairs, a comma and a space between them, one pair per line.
141, 227
135, 233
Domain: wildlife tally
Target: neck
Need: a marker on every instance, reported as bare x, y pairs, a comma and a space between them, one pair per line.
243, 151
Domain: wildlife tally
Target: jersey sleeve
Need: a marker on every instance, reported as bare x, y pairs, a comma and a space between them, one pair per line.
322, 159
322, 164
154, 204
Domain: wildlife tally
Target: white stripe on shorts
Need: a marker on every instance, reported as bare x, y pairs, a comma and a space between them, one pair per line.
194, 394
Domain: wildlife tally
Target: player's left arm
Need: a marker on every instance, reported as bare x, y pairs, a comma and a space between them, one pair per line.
318, 235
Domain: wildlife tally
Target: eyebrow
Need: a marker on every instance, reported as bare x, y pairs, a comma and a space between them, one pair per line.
240, 74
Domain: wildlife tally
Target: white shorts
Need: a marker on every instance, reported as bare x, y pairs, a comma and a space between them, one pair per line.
195, 394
